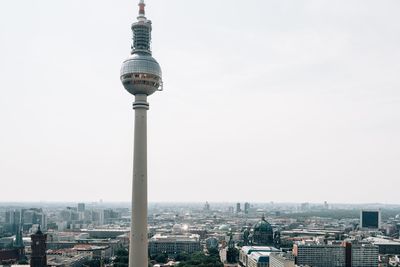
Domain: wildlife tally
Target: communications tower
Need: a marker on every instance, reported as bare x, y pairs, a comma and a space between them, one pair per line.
141, 76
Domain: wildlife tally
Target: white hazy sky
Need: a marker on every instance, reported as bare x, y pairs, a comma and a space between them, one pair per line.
264, 100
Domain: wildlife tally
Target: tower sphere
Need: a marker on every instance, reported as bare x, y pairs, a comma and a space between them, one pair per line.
141, 74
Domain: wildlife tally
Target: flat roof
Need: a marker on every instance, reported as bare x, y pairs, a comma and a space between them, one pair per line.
175, 238
260, 256
250, 249
382, 241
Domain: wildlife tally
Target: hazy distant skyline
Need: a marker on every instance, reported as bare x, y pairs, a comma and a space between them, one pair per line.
285, 101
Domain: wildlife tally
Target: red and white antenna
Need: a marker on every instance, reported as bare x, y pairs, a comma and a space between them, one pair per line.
141, 10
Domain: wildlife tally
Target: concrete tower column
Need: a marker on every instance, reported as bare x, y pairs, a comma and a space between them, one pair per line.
138, 246
141, 76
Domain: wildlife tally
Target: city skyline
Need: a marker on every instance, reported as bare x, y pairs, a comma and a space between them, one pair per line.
318, 79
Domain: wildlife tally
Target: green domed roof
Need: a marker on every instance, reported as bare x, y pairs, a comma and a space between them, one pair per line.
263, 226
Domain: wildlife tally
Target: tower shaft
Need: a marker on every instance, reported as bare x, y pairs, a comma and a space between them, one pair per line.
141, 76
138, 236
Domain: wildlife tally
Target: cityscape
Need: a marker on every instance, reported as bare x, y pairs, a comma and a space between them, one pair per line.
231, 234
232, 187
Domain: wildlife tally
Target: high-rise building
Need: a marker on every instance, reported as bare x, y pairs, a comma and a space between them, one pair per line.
41, 219
370, 219
238, 209
320, 255
385, 246
69, 215
141, 76
246, 207
343, 255
33, 216
9, 219
364, 255
110, 216
81, 207
28, 216
13, 220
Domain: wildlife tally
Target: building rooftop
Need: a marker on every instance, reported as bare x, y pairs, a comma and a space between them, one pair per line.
175, 238
250, 249
382, 241
260, 256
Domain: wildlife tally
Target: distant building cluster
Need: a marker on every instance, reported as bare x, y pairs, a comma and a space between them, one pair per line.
247, 235
68, 236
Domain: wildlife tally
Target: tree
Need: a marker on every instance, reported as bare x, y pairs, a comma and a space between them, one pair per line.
232, 255
122, 258
161, 258
182, 257
213, 251
92, 263
199, 259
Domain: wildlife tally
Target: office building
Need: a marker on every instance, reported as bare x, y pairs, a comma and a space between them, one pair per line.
174, 244
370, 219
258, 259
279, 260
343, 255
320, 255
238, 208
364, 255
246, 208
261, 255
385, 246
81, 207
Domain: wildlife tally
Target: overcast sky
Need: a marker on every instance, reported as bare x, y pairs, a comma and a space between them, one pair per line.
264, 100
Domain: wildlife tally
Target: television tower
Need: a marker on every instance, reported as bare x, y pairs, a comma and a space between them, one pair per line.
141, 76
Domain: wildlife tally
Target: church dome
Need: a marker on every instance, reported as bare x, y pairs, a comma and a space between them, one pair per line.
263, 226
262, 233
177, 229
224, 228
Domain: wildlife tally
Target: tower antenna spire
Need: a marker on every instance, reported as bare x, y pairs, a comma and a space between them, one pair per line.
141, 10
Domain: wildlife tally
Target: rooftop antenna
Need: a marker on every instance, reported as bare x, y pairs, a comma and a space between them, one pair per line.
142, 12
